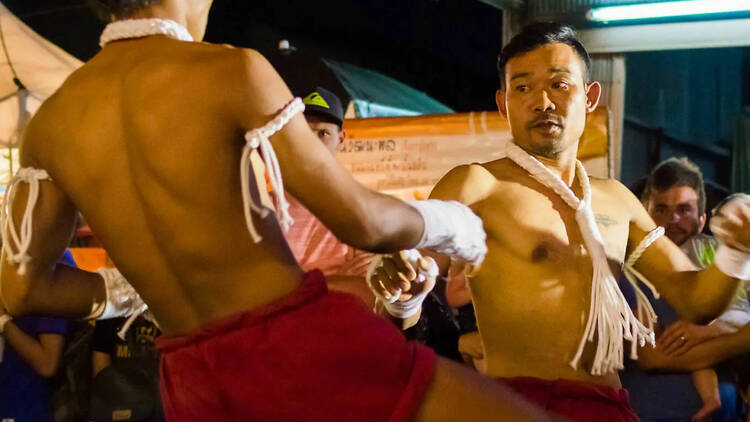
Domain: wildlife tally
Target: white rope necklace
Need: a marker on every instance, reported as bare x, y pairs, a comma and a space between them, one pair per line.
138, 28
610, 318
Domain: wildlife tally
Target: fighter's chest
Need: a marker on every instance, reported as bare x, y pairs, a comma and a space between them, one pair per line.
538, 226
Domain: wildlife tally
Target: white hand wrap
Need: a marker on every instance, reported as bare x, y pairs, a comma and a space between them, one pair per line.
122, 300
451, 228
732, 262
407, 308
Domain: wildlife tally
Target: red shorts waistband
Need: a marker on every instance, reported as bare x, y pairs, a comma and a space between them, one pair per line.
536, 387
312, 287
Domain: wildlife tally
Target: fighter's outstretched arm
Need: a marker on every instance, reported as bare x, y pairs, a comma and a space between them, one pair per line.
357, 216
467, 184
46, 287
699, 296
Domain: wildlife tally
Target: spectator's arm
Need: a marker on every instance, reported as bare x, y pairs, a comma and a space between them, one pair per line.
352, 284
719, 328
457, 293
42, 354
738, 314
99, 361
704, 355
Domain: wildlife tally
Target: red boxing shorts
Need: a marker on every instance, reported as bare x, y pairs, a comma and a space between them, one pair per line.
577, 401
313, 355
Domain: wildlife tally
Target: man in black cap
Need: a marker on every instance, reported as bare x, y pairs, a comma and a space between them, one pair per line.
325, 115
314, 246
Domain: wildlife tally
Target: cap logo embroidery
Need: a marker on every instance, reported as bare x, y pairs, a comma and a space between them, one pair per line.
315, 99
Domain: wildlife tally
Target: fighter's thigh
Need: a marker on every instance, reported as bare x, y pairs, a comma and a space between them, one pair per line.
460, 394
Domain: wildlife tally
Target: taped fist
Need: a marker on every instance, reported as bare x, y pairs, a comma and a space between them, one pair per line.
402, 281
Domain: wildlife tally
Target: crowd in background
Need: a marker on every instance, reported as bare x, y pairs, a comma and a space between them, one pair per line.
58, 370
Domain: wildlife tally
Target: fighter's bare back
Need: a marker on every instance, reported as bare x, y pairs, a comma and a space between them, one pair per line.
140, 151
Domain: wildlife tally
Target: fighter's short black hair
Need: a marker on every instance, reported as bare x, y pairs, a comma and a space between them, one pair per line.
677, 172
535, 35
109, 10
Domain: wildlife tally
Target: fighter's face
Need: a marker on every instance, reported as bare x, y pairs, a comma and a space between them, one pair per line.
676, 209
546, 99
329, 133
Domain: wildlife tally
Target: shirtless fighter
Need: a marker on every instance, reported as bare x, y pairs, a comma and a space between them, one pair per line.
551, 317
159, 142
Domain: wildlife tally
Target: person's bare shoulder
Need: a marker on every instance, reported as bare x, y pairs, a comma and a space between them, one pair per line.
613, 187
618, 193
468, 184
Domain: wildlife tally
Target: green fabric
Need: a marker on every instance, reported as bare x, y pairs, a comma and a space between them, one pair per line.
375, 94
741, 155
707, 255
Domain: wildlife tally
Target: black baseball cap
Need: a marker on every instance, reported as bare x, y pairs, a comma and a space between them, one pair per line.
326, 104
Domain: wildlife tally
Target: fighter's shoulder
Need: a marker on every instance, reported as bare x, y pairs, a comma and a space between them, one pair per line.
611, 186
615, 191
245, 63
466, 183
227, 63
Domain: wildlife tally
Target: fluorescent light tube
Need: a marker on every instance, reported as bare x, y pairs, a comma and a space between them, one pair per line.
666, 9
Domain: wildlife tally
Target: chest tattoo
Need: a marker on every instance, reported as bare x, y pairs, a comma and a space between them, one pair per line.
605, 220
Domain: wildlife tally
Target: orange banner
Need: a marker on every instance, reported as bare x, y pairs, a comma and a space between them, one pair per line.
406, 156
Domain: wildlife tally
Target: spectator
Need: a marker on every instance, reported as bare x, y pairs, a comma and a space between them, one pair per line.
125, 366
675, 198
32, 350
314, 246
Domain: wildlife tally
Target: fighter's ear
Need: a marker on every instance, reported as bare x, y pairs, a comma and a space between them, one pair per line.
500, 101
342, 138
593, 93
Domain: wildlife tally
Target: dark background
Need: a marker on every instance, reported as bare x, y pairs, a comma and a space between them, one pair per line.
445, 48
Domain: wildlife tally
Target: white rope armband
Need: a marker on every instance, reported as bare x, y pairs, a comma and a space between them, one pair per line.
395, 307
121, 298
644, 306
734, 263
259, 139
17, 242
452, 228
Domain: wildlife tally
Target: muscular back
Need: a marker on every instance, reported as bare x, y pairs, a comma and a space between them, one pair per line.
145, 143
532, 292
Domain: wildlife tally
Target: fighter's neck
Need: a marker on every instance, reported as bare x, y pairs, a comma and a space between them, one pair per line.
168, 10
564, 165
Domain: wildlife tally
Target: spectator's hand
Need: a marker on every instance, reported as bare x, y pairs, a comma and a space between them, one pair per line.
681, 336
396, 276
731, 223
470, 345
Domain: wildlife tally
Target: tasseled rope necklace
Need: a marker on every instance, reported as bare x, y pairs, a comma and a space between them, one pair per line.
610, 318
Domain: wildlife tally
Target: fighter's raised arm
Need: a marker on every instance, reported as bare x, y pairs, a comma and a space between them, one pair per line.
697, 295
363, 218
